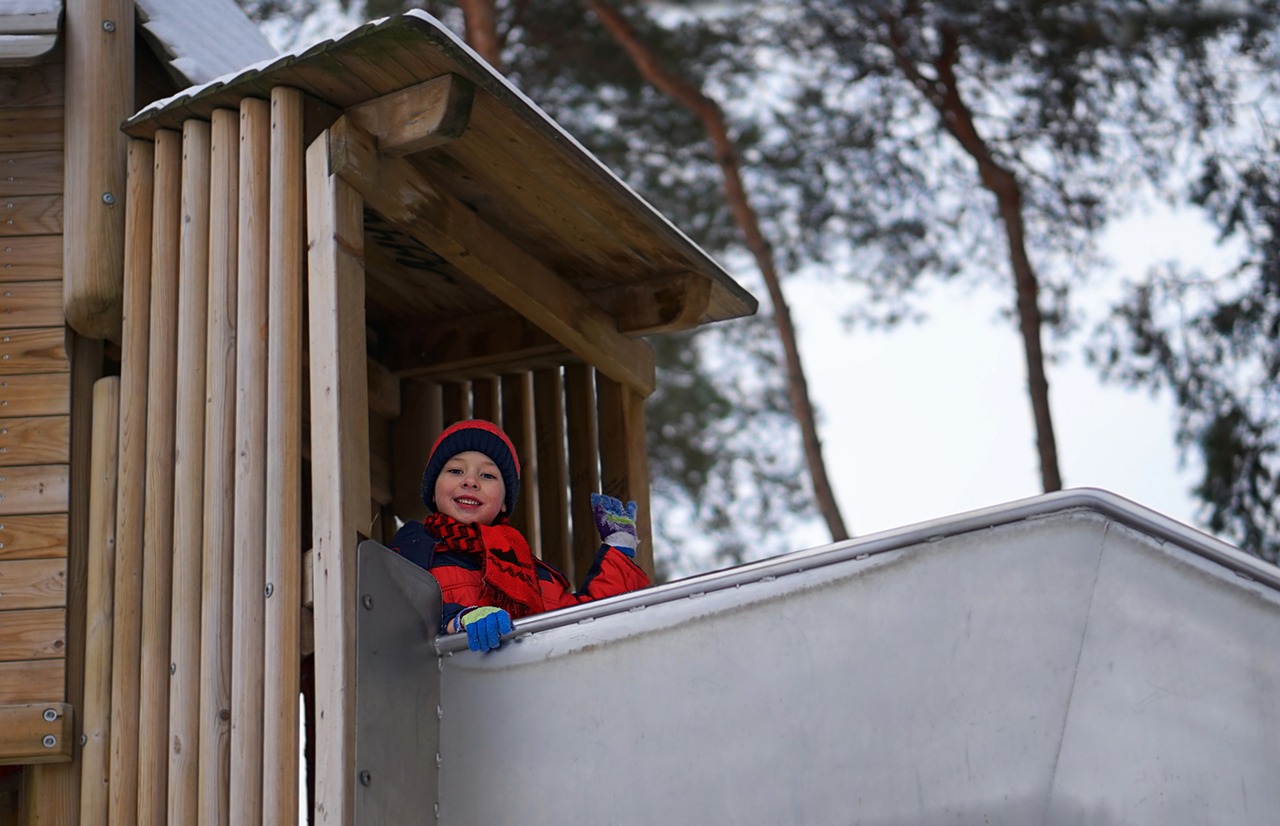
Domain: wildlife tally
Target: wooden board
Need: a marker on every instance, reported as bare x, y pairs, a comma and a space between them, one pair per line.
42, 536
30, 173
38, 350
31, 304
27, 86
32, 583
35, 394
31, 681
33, 489
25, 731
31, 215
31, 130
35, 440
30, 258
34, 634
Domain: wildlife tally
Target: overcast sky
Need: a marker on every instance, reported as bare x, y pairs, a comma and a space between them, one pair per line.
932, 420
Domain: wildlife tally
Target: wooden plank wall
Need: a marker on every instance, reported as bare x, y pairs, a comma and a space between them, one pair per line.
576, 432
197, 602
35, 402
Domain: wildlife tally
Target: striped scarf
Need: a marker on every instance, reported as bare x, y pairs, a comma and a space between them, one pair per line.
509, 579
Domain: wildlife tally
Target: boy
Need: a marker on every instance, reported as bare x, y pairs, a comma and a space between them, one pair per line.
487, 573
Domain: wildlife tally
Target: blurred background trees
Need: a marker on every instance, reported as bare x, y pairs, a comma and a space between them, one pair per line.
889, 143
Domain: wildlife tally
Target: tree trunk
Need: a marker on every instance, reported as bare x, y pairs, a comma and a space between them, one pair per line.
707, 111
943, 93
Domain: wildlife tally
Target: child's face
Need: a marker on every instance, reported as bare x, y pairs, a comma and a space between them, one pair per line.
470, 488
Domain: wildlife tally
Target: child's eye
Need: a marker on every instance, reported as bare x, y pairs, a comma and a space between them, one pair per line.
489, 475
456, 471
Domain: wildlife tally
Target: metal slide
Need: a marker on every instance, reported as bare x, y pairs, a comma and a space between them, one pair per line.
1073, 658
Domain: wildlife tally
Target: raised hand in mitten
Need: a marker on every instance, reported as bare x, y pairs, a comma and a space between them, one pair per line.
484, 626
616, 523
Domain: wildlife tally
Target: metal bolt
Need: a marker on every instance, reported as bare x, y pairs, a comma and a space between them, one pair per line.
367, 602
269, 590
173, 668
50, 714
108, 198
49, 741
365, 778
108, 25
84, 738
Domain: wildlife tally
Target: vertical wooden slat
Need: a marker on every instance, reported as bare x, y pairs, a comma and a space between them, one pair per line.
420, 422
456, 403
284, 462
584, 465
249, 571
553, 473
145, 203
339, 467
484, 400
517, 421
157, 531
214, 747
188, 472
53, 790
95, 775
624, 461
100, 75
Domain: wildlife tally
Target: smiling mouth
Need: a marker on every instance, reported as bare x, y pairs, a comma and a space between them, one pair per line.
468, 502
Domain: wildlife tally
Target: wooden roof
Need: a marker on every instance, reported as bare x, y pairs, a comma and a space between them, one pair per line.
510, 165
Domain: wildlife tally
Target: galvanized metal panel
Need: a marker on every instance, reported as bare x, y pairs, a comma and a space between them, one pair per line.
397, 689
1054, 661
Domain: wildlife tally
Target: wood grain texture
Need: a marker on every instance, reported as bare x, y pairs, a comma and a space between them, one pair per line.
25, 729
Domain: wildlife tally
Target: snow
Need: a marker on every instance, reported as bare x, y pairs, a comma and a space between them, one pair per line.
205, 39
13, 8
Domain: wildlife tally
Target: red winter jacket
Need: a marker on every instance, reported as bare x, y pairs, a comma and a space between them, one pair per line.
459, 574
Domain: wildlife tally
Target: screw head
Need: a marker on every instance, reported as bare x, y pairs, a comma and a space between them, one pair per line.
365, 778
49, 741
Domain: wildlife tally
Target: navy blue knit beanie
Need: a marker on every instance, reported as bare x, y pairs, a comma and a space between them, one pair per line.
484, 437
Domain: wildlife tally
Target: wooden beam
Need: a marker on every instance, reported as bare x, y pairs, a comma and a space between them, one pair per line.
624, 458
95, 714
283, 617
339, 466
249, 563
179, 753
25, 732
417, 118
99, 96
206, 800
404, 197
144, 186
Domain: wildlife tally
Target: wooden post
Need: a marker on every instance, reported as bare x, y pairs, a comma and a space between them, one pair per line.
517, 421
553, 473
624, 461
339, 467
188, 473
100, 79
161, 166
157, 542
584, 465
214, 748
484, 399
95, 772
284, 462
249, 565
413, 433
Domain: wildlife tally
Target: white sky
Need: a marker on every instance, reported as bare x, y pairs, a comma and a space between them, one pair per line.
932, 420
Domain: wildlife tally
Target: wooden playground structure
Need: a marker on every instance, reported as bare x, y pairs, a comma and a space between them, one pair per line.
234, 317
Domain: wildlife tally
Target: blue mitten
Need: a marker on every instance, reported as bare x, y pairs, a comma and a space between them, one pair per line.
616, 524
485, 626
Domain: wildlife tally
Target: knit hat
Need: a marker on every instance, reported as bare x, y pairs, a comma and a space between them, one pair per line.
479, 435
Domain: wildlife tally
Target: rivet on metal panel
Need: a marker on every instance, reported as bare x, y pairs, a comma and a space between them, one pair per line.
769, 578
50, 714
586, 620
697, 594
365, 778
49, 741
367, 602
635, 608
861, 557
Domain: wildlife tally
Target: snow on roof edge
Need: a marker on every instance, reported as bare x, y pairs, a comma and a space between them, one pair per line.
205, 39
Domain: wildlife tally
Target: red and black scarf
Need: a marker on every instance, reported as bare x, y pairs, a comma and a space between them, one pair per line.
509, 579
